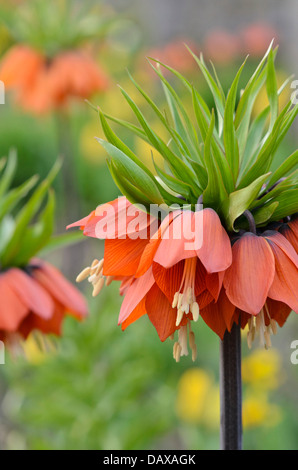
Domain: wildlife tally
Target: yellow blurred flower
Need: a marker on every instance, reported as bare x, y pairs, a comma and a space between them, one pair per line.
37, 347
262, 368
193, 390
258, 411
262, 99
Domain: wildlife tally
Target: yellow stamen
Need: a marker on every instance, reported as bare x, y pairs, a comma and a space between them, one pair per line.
98, 286
95, 276
257, 325
180, 346
83, 275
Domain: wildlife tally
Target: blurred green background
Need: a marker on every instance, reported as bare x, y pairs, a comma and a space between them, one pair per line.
103, 388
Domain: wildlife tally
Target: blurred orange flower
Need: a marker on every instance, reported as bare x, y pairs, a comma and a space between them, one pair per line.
36, 298
175, 54
42, 85
256, 38
221, 46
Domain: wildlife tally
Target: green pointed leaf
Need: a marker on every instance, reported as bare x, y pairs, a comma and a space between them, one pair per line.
216, 92
13, 197
289, 164
253, 141
271, 86
249, 93
229, 133
266, 153
9, 172
288, 204
27, 213
264, 214
179, 167
37, 236
133, 172
173, 183
241, 200
183, 125
215, 191
132, 193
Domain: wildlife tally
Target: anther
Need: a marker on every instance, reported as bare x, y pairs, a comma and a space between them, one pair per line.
83, 275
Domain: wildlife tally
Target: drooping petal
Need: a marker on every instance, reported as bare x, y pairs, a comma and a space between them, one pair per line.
251, 274
52, 280
214, 283
277, 239
160, 313
290, 232
227, 309
204, 299
153, 244
82, 222
168, 280
52, 325
134, 295
213, 317
284, 285
137, 313
122, 257
215, 250
177, 240
30, 293
278, 311
220, 315
12, 309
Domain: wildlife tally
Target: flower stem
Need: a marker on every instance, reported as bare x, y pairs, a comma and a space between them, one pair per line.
69, 177
231, 390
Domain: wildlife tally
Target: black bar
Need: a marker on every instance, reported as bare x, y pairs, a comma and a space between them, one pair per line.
231, 390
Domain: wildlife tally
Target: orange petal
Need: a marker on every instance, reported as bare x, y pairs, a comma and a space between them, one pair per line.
214, 283
213, 317
290, 232
135, 293
137, 313
52, 325
204, 299
276, 238
168, 280
60, 289
227, 309
122, 257
215, 252
160, 313
177, 240
278, 311
284, 285
82, 222
152, 247
30, 293
12, 309
251, 274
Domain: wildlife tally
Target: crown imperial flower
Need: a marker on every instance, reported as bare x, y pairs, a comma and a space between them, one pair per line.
244, 269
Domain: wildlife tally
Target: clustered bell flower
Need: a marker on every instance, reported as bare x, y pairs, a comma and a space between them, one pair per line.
35, 295
219, 183
48, 66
